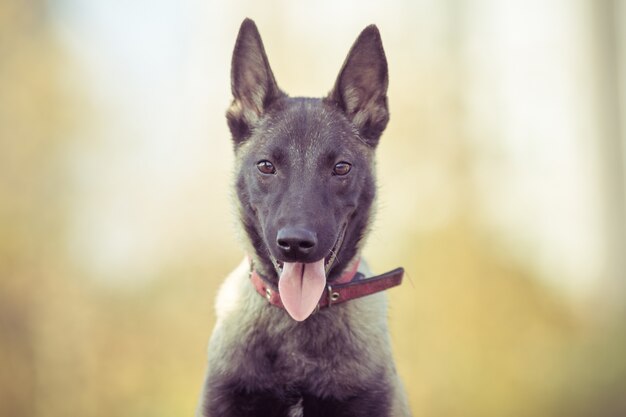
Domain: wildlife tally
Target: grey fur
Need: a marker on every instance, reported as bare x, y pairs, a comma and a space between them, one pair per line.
337, 351
338, 361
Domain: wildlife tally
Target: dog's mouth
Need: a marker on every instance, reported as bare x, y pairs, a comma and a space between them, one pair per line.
301, 284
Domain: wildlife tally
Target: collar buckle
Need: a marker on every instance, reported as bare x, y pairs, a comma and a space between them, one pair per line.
332, 295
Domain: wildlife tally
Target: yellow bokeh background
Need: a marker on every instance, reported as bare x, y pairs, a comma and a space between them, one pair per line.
501, 192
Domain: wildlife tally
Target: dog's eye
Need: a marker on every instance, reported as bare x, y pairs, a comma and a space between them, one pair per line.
266, 167
342, 168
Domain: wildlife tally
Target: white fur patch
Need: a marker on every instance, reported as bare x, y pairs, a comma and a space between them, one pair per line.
296, 410
228, 298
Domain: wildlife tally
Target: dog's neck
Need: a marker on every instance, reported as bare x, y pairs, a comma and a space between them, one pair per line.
351, 284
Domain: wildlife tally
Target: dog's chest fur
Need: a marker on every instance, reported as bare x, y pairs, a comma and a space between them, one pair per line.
326, 355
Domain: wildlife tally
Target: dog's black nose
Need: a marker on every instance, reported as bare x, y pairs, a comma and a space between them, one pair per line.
294, 241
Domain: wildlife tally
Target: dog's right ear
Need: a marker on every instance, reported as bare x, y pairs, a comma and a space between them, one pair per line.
252, 82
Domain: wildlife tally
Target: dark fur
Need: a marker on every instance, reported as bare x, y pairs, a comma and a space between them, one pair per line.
272, 364
354, 114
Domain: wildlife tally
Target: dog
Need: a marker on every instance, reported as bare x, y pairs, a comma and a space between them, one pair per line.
301, 324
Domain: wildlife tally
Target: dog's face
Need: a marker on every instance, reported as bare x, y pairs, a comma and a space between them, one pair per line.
305, 173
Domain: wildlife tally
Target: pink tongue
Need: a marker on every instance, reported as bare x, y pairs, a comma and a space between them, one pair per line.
301, 290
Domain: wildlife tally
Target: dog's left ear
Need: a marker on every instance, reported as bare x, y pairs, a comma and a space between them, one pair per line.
361, 88
252, 82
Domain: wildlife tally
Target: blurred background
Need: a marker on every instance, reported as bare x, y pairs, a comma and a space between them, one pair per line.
502, 193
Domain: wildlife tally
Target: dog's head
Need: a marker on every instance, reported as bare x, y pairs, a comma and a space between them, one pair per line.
305, 167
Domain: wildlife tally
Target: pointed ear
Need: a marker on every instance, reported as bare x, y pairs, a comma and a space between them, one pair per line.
361, 88
252, 82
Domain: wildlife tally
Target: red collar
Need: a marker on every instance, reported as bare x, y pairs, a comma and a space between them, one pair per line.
350, 285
